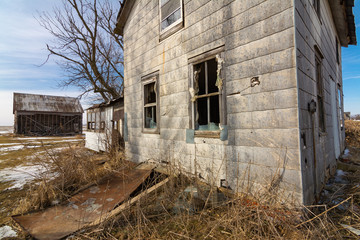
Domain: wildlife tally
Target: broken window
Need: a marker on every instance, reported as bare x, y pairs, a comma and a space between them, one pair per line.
88, 120
151, 104
171, 15
319, 89
206, 94
102, 120
93, 120
97, 120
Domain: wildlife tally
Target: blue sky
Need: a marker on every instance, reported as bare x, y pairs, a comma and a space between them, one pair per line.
23, 49
351, 69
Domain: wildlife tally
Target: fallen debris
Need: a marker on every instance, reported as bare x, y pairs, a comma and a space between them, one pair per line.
86, 208
351, 229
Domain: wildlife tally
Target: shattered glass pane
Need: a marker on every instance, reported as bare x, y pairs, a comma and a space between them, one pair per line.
150, 94
212, 75
201, 78
150, 117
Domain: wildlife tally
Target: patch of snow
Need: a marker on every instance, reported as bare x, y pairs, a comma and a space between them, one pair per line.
17, 147
41, 138
6, 232
6, 132
346, 154
340, 173
91, 205
94, 189
339, 176
12, 148
20, 175
75, 140
8, 144
73, 205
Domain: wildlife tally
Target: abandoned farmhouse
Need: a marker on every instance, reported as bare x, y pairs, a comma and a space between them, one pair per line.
245, 94
43, 115
105, 125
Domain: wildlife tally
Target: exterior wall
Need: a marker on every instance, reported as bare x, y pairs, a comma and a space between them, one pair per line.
263, 127
47, 123
312, 30
100, 141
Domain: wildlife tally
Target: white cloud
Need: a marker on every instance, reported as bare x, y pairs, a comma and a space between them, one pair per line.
352, 77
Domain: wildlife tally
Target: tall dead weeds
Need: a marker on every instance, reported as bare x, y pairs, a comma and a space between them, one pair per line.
244, 216
67, 172
352, 133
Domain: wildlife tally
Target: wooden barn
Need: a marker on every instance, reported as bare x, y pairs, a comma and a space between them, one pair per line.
44, 115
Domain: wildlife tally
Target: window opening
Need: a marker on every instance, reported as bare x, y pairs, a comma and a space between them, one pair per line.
170, 13
150, 104
316, 4
337, 51
320, 90
340, 108
207, 95
102, 119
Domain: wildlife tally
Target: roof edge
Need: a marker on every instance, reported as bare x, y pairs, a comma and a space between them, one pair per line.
344, 20
124, 12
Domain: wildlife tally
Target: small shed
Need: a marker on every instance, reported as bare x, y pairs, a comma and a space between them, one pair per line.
347, 115
105, 125
44, 115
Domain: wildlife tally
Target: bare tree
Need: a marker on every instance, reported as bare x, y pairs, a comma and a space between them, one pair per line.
84, 41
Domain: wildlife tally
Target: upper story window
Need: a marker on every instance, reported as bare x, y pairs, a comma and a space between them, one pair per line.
171, 16
320, 89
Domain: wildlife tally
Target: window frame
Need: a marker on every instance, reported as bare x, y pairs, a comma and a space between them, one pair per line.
340, 106
337, 51
319, 81
174, 27
88, 120
222, 96
146, 80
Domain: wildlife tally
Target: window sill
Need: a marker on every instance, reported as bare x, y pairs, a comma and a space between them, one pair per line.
322, 134
95, 130
170, 31
150, 131
207, 134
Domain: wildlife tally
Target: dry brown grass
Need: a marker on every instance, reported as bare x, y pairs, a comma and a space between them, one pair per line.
246, 216
241, 217
352, 133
